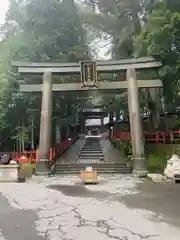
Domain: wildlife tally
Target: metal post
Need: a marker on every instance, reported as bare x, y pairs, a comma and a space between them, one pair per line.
138, 156
45, 127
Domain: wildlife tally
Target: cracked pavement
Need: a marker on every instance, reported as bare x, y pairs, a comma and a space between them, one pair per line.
61, 208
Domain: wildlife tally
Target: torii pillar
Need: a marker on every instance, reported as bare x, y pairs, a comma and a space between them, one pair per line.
45, 125
138, 155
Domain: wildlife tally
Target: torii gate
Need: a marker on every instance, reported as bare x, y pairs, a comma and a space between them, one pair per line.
88, 71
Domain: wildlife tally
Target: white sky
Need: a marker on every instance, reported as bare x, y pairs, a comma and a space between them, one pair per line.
3, 9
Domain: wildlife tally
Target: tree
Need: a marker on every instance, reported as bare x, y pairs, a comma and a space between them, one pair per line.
160, 37
51, 30
119, 21
40, 30
123, 21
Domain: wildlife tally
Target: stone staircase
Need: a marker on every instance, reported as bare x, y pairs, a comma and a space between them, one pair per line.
91, 151
92, 155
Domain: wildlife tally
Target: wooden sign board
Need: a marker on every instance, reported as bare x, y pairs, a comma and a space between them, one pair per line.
89, 177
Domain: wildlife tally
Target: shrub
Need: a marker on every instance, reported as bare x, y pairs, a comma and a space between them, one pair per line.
156, 162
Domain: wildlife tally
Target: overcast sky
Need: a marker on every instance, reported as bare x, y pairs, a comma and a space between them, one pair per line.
3, 9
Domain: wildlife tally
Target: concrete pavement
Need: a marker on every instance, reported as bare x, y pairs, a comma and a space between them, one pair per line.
62, 208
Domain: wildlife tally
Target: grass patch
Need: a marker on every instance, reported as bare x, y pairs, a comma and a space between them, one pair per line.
157, 156
156, 163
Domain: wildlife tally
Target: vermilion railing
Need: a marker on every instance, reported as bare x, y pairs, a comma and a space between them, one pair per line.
152, 137
33, 156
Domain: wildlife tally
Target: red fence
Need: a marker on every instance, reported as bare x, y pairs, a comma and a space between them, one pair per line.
155, 137
33, 156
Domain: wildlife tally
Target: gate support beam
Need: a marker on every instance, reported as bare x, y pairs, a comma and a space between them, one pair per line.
63, 87
138, 155
45, 125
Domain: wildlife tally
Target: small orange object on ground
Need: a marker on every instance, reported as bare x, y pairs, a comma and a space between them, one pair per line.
23, 159
89, 177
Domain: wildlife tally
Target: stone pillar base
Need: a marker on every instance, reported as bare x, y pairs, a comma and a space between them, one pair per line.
140, 167
42, 168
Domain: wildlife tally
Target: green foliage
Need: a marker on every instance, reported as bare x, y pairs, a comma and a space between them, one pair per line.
158, 155
142, 27
160, 37
125, 147
36, 30
117, 21
44, 30
156, 163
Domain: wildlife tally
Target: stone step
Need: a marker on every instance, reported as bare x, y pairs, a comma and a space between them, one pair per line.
94, 165
92, 139
92, 150
90, 154
91, 157
97, 158
91, 147
88, 161
75, 172
92, 144
123, 170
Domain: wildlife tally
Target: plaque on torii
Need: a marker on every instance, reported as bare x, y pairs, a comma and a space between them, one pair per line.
88, 74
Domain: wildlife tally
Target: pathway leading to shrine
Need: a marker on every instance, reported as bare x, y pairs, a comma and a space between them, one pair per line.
62, 208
